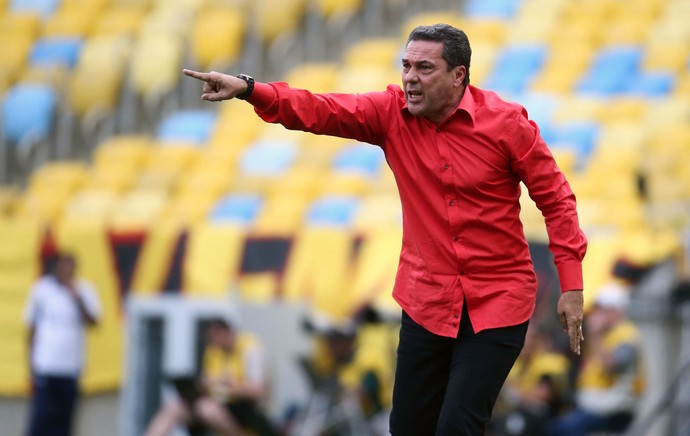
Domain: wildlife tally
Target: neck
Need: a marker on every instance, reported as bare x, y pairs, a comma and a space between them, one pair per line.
450, 108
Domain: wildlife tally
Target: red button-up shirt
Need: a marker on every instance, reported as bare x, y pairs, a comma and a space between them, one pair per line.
459, 185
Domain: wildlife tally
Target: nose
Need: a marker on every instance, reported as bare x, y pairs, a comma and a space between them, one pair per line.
410, 75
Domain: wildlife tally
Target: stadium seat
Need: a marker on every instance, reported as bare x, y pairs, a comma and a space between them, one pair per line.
331, 9
90, 207
124, 150
96, 81
376, 266
282, 215
317, 77
19, 267
237, 126
119, 21
378, 211
74, 22
239, 209
374, 52
137, 211
358, 79
44, 8
501, 9
578, 135
332, 211
192, 126
611, 70
428, 18
653, 83
268, 158
155, 64
19, 24
359, 158
14, 53
318, 270
276, 19
63, 51
217, 36
514, 68
28, 112
213, 260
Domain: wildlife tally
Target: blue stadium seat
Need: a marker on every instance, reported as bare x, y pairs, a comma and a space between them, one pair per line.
514, 68
45, 8
28, 109
359, 158
59, 50
335, 211
652, 84
501, 9
611, 70
578, 135
268, 157
187, 126
540, 106
237, 209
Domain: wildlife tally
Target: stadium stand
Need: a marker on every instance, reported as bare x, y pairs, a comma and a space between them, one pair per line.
190, 187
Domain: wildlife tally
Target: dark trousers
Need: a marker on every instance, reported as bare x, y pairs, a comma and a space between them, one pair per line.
53, 405
445, 386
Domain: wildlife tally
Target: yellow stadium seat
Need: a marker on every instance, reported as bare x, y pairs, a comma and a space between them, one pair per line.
213, 260
115, 178
217, 36
19, 267
578, 108
96, 5
155, 64
8, 199
314, 76
154, 260
331, 9
359, 79
376, 266
124, 150
237, 125
90, 207
58, 176
345, 184
119, 21
378, 211
96, 80
626, 30
14, 53
663, 56
188, 209
282, 215
174, 157
137, 211
70, 22
669, 111
626, 109
374, 52
274, 19
319, 271
20, 24
428, 18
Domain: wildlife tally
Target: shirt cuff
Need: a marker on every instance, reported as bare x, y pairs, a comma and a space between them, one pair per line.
570, 276
263, 96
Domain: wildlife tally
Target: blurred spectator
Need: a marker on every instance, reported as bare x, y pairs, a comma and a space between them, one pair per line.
351, 370
609, 382
59, 309
534, 391
228, 396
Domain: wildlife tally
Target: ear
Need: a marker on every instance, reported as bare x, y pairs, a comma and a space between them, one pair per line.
460, 73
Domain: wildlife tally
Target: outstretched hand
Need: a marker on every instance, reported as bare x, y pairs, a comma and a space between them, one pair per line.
570, 313
218, 86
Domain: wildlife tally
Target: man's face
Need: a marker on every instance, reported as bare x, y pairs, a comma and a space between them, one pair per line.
64, 269
430, 89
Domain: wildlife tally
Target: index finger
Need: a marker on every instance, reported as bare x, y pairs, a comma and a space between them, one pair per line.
575, 335
197, 74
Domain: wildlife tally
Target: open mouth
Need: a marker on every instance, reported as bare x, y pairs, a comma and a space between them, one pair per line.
414, 96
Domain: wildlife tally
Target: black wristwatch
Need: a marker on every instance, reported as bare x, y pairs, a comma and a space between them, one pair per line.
250, 86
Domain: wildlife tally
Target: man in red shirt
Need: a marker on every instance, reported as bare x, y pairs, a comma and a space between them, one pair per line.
465, 280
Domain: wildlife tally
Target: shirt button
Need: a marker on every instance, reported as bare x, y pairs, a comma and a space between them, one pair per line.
456, 238
452, 202
438, 130
446, 166
455, 315
462, 273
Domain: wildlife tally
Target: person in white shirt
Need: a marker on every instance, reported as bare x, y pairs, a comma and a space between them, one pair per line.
59, 310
